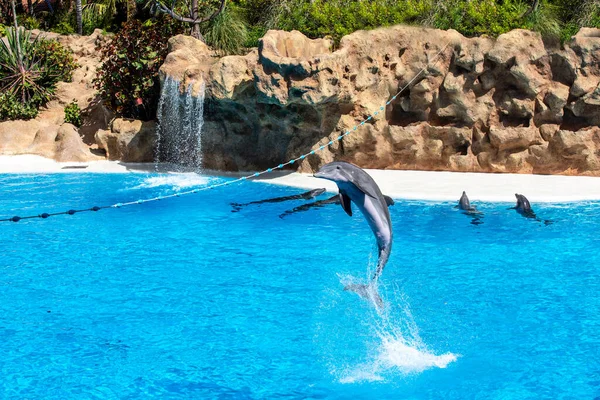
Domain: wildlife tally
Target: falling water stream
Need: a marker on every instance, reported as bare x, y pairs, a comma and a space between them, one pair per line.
180, 118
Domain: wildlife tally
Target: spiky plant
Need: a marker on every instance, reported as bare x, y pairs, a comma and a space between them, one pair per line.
20, 68
544, 19
589, 14
227, 32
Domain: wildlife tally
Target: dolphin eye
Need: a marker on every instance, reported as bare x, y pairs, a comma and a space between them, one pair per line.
338, 167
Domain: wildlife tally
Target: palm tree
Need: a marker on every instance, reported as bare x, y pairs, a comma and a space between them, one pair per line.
14, 13
195, 19
79, 11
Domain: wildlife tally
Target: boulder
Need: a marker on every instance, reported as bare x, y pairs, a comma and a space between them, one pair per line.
128, 140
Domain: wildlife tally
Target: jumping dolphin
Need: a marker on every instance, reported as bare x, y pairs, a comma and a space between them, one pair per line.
320, 203
302, 196
355, 185
465, 206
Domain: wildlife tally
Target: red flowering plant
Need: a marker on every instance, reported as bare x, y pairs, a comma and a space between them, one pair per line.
128, 77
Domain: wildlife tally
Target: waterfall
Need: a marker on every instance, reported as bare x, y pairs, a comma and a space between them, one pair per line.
180, 119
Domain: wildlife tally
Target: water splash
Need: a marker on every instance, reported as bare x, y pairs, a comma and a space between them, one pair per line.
176, 181
180, 119
398, 348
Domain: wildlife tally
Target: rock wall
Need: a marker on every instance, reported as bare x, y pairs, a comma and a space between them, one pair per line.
48, 135
505, 105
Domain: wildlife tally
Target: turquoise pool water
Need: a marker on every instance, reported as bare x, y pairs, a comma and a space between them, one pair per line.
185, 299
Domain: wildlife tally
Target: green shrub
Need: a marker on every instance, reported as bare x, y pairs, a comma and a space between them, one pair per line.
12, 108
21, 69
589, 14
57, 60
29, 21
128, 77
2, 30
63, 27
73, 114
30, 70
227, 32
476, 18
337, 18
254, 34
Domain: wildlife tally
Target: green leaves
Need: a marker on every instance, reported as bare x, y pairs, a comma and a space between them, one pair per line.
128, 77
73, 113
30, 70
12, 108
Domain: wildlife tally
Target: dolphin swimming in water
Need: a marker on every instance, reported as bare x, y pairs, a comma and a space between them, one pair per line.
302, 196
356, 186
320, 203
523, 207
465, 205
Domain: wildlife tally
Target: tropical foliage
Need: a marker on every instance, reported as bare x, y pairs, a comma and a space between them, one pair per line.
21, 68
128, 77
30, 69
12, 108
227, 32
73, 114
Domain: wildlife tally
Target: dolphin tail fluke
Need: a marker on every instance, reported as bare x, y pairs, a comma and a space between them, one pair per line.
367, 292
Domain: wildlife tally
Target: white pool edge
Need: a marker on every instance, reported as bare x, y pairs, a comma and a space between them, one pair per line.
409, 185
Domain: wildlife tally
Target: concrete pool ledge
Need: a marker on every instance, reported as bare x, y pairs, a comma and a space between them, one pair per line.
410, 185
448, 186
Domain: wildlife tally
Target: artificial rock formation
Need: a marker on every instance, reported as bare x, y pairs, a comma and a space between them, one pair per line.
47, 135
128, 140
505, 105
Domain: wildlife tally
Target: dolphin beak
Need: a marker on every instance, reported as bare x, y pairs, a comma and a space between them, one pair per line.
318, 174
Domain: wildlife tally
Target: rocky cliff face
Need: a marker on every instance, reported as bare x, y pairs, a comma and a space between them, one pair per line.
505, 105
48, 135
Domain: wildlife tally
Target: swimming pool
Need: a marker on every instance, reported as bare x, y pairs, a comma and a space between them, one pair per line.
185, 299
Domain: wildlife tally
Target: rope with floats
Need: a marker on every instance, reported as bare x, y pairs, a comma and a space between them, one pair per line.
243, 178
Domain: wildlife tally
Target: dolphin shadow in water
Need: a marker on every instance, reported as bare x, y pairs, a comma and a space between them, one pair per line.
321, 203
523, 207
302, 196
358, 187
465, 206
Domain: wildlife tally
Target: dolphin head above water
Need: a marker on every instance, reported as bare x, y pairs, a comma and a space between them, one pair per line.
464, 203
334, 171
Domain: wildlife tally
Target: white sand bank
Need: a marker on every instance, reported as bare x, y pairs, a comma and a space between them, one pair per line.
417, 185
448, 186
24, 164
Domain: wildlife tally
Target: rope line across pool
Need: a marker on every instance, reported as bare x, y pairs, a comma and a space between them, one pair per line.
243, 178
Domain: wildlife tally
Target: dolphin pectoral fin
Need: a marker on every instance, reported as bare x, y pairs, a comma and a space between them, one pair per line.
388, 200
367, 292
346, 203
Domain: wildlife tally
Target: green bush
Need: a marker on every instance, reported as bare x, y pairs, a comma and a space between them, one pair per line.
227, 32
29, 21
2, 30
475, 18
12, 108
63, 27
337, 18
30, 70
21, 69
128, 77
57, 60
73, 114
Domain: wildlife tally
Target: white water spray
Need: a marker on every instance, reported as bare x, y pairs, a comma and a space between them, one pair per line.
180, 119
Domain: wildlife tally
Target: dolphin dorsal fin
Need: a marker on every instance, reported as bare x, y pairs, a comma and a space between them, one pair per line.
346, 203
388, 200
